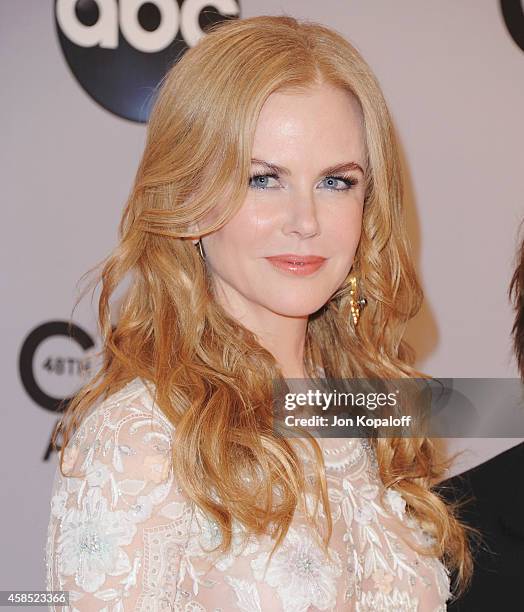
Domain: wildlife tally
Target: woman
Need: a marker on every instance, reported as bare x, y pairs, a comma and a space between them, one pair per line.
269, 141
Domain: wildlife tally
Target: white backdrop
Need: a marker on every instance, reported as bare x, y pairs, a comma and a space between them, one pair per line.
453, 77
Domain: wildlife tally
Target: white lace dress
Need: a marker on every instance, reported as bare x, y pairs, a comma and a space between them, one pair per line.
124, 537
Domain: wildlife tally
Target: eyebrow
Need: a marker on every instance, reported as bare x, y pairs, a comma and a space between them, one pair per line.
343, 167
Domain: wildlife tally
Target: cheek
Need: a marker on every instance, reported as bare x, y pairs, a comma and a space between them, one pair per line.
345, 231
238, 238
247, 232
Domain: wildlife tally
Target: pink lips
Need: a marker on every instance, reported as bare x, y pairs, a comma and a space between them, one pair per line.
301, 265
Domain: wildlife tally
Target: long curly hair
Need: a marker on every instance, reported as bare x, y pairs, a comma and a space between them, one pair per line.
212, 378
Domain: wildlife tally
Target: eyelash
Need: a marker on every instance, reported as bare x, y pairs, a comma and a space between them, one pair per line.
348, 180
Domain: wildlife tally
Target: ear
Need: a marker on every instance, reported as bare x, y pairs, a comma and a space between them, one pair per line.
193, 228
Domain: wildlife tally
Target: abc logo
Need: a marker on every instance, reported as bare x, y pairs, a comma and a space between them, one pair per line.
119, 51
513, 15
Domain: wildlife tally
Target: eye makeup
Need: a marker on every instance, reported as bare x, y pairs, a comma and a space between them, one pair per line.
349, 181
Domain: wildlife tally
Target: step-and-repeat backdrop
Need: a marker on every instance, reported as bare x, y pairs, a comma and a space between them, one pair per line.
77, 79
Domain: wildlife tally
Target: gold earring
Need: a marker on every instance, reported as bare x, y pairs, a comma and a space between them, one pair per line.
356, 304
200, 248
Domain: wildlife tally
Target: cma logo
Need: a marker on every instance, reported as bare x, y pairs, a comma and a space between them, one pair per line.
55, 359
119, 51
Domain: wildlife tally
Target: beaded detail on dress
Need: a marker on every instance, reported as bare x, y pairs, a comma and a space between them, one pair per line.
123, 536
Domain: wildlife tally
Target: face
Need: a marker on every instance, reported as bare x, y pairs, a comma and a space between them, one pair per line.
299, 205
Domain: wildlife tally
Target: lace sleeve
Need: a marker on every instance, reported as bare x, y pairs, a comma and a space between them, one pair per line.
119, 527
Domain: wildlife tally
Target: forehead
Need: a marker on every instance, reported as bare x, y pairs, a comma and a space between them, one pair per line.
321, 118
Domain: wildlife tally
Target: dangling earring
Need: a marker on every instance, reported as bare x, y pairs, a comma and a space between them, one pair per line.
356, 304
200, 248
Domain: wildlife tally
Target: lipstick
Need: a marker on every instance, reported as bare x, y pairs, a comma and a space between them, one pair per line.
297, 265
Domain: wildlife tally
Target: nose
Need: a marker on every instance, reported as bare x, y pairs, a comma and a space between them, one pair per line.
302, 216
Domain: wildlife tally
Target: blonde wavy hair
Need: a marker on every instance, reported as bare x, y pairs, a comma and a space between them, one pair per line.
212, 378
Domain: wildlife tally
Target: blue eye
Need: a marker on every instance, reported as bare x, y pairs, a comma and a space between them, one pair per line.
262, 179
349, 181
261, 184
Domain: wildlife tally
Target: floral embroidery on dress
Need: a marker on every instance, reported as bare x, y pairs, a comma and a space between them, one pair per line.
90, 544
123, 536
300, 572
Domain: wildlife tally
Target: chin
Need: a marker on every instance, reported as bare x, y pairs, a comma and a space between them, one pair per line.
296, 307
